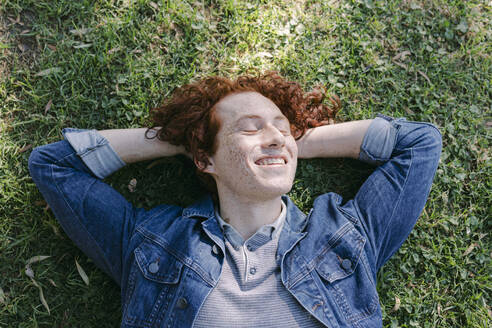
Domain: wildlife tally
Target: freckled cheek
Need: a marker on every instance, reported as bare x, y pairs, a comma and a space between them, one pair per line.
236, 156
239, 159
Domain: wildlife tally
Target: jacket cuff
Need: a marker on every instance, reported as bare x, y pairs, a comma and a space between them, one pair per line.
379, 140
94, 150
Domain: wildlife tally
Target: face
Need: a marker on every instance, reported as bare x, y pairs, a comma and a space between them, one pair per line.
256, 155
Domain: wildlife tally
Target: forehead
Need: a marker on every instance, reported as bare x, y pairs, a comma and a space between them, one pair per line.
237, 105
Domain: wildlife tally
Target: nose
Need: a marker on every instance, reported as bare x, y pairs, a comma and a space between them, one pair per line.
273, 137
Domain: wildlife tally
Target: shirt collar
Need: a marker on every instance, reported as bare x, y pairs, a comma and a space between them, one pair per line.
259, 238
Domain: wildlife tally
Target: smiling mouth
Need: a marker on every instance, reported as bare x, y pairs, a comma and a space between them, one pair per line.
270, 161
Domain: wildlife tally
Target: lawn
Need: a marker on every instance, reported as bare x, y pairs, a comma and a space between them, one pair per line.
104, 64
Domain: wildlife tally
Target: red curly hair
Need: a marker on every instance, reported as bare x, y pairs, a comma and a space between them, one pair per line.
188, 117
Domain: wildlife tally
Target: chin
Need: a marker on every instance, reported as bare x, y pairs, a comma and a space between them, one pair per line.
273, 191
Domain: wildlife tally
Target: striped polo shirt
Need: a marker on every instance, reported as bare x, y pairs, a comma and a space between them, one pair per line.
250, 292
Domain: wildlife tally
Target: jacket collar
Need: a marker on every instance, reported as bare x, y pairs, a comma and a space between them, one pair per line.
204, 208
292, 231
296, 219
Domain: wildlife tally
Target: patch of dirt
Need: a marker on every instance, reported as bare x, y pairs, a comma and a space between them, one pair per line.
18, 42
4, 52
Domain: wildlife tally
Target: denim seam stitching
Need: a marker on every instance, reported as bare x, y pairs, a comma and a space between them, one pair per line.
131, 285
186, 260
296, 275
349, 216
75, 214
398, 201
144, 221
299, 276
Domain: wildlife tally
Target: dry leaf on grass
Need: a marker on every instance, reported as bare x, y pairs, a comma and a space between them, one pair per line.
23, 47
400, 64
401, 55
132, 185
25, 148
49, 71
397, 304
15, 21
469, 249
83, 45
82, 273
113, 50
41, 296
29, 272
48, 106
408, 111
3, 298
264, 54
80, 31
37, 258
425, 76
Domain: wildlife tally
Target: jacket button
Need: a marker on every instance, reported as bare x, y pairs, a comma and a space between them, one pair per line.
346, 264
182, 303
215, 250
153, 267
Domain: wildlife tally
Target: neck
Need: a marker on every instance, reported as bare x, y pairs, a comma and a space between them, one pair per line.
247, 215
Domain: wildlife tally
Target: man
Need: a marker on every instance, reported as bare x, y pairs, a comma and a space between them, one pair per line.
246, 256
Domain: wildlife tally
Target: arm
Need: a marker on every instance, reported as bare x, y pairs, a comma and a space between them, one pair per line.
392, 198
132, 146
338, 140
390, 201
69, 174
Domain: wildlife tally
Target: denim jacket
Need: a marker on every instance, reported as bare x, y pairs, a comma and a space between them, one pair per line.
168, 259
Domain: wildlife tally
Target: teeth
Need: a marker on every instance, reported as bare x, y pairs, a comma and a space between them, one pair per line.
268, 161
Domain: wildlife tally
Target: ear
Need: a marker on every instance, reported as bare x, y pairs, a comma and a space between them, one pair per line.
206, 165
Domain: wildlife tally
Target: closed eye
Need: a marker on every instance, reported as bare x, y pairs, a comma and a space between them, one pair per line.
252, 131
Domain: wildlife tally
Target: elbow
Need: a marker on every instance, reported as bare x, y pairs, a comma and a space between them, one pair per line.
433, 138
429, 142
39, 159
420, 135
34, 163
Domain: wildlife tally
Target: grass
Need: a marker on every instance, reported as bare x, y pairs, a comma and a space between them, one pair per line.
103, 64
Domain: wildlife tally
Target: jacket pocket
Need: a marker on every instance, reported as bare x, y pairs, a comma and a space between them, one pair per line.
346, 280
152, 285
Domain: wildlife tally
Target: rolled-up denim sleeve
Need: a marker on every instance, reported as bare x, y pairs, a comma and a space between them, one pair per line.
390, 201
379, 141
94, 150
